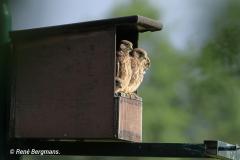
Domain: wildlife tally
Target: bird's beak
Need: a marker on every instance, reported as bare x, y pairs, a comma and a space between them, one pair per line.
148, 63
131, 47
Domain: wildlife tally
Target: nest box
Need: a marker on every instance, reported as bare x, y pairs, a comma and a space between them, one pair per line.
63, 81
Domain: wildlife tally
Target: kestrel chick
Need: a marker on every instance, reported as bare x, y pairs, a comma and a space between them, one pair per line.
123, 66
140, 62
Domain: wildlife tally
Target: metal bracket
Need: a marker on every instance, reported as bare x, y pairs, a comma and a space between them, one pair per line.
222, 150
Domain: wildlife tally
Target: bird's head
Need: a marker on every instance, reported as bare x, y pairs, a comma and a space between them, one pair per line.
139, 53
142, 55
126, 46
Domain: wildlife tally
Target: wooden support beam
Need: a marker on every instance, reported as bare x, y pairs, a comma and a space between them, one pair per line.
208, 149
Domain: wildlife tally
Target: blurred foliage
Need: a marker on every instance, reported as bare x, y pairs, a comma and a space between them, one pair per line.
189, 97
215, 87
136, 7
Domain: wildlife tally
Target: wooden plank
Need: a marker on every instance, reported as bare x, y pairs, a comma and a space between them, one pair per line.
123, 149
139, 23
129, 119
64, 86
208, 149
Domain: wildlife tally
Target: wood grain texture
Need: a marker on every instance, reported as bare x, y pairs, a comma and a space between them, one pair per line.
129, 119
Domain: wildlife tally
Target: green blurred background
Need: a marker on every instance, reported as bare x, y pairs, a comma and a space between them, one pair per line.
192, 90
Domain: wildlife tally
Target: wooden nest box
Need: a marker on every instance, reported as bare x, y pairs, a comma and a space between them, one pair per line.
63, 82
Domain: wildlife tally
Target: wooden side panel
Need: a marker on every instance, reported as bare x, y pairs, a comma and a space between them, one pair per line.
130, 119
64, 86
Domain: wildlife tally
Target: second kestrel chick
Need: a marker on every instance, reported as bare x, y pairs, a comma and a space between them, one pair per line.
140, 62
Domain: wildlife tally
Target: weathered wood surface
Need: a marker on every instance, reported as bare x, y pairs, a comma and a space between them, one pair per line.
64, 86
130, 119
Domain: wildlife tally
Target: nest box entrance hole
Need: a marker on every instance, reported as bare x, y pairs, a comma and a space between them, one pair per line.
129, 33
